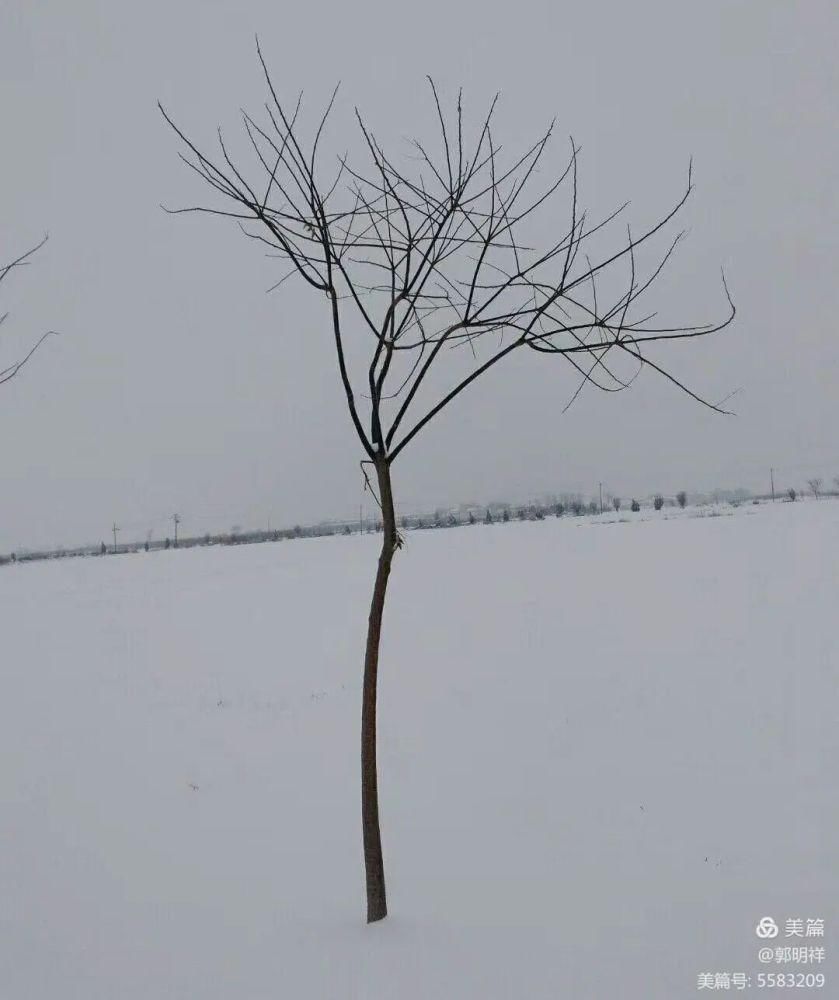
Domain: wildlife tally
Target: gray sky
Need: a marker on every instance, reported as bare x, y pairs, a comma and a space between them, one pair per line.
178, 384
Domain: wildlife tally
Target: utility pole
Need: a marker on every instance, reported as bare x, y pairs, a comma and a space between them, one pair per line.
115, 529
772, 480
176, 518
360, 522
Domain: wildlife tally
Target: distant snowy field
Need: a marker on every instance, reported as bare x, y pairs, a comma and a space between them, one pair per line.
607, 750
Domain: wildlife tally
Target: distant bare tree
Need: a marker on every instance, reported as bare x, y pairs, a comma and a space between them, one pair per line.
791, 494
681, 498
431, 258
658, 501
836, 482
815, 485
8, 373
616, 503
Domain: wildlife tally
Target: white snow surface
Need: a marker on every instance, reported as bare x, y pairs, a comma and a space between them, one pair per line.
608, 747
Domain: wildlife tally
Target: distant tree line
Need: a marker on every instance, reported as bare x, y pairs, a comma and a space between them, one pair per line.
570, 504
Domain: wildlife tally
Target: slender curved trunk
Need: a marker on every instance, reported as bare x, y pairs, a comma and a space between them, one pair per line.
373, 863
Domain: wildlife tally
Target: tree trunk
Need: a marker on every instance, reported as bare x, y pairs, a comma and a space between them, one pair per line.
373, 863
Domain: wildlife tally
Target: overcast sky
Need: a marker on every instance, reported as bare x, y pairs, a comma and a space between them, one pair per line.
178, 384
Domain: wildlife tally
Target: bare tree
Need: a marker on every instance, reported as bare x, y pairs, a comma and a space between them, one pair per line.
8, 373
681, 498
791, 493
815, 485
431, 257
616, 503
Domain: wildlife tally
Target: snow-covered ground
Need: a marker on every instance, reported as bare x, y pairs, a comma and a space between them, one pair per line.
607, 750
